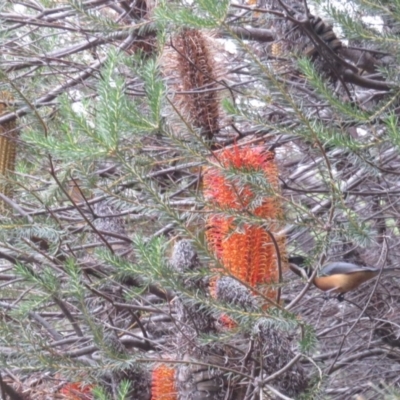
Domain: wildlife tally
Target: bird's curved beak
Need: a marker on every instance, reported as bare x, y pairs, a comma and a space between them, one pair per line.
298, 271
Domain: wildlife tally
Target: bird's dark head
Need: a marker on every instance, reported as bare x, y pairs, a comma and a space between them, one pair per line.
298, 260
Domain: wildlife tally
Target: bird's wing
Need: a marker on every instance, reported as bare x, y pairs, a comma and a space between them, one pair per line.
340, 267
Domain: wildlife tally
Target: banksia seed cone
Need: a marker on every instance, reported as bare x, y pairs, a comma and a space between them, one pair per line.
319, 48
163, 383
274, 346
184, 257
249, 255
203, 382
233, 292
184, 260
8, 146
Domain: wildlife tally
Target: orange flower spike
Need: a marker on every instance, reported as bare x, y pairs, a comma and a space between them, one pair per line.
163, 383
265, 259
217, 232
222, 192
256, 252
235, 255
250, 255
227, 322
77, 391
218, 190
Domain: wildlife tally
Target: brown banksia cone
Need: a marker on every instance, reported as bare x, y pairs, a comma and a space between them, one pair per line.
192, 72
196, 381
8, 149
320, 44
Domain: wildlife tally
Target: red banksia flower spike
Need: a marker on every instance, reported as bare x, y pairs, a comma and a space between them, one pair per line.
227, 322
247, 252
77, 391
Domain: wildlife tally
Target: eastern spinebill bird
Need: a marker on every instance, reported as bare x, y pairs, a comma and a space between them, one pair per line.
337, 277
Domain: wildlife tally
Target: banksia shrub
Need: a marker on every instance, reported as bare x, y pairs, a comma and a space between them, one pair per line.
247, 252
163, 383
8, 145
